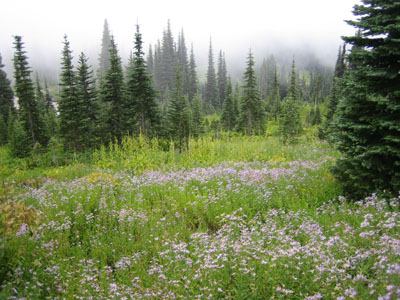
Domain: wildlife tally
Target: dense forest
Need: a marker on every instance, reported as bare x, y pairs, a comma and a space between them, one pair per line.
163, 179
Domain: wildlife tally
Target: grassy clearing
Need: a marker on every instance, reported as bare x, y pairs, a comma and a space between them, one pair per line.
237, 218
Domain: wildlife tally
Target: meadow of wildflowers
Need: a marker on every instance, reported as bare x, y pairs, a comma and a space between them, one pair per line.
272, 226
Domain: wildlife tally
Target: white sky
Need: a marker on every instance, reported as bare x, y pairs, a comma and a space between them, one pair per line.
235, 26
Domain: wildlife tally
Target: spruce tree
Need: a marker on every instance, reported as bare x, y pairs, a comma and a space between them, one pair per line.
290, 126
274, 99
168, 60
6, 94
252, 113
141, 97
327, 127
104, 58
228, 114
112, 94
69, 105
368, 128
179, 114
183, 62
192, 76
197, 116
87, 95
150, 61
24, 90
211, 93
221, 78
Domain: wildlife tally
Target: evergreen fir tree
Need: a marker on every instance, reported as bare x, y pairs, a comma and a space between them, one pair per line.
167, 60
221, 79
28, 106
183, 62
368, 128
327, 127
192, 76
69, 105
317, 116
87, 95
252, 114
104, 58
289, 120
141, 97
6, 94
50, 117
179, 114
150, 61
112, 94
3, 131
228, 114
18, 139
275, 98
211, 93
197, 116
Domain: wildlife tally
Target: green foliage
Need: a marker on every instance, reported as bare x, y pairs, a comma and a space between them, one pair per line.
367, 128
143, 114
252, 112
228, 112
18, 140
179, 116
112, 94
28, 112
290, 125
6, 94
211, 92
197, 116
104, 58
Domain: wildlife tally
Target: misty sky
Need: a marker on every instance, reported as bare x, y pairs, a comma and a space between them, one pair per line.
235, 26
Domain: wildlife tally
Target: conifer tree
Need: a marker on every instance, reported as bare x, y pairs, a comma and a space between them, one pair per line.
252, 114
197, 116
50, 117
167, 60
289, 121
368, 127
211, 93
183, 61
150, 61
179, 114
24, 90
6, 94
274, 98
327, 127
112, 94
87, 95
228, 113
104, 58
192, 76
141, 97
221, 79
69, 105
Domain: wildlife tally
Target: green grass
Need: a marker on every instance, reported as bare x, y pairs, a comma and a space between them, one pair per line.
233, 218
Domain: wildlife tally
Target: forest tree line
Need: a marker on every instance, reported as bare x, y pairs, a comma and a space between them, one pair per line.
159, 95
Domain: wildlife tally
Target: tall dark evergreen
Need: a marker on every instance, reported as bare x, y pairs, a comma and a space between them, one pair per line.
50, 117
290, 126
6, 94
150, 61
192, 76
183, 61
69, 105
179, 114
104, 58
168, 61
222, 78
87, 95
211, 92
112, 94
368, 127
142, 108
274, 98
252, 113
197, 116
228, 112
28, 107
327, 127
